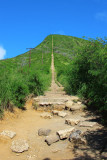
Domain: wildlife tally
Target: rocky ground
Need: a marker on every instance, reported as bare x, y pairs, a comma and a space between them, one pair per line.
53, 127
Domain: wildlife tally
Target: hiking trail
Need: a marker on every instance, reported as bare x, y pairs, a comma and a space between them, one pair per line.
27, 123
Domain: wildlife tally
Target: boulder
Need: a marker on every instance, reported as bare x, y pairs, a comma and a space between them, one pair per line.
46, 115
52, 139
62, 114
65, 133
87, 124
9, 134
44, 132
72, 122
76, 138
19, 146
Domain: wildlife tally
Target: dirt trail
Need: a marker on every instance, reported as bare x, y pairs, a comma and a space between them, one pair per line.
26, 124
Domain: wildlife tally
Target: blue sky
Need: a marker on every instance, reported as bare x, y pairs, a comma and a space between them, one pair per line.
25, 23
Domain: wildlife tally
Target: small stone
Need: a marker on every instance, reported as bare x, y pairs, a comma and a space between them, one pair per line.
65, 133
72, 122
46, 115
19, 146
10, 134
62, 114
44, 132
87, 124
52, 139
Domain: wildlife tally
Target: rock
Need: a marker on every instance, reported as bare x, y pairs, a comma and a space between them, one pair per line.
59, 113
62, 114
74, 134
46, 115
44, 132
87, 124
79, 140
72, 105
75, 138
78, 132
69, 104
19, 146
10, 134
79, 102
52, 139
72, 122
65, 133
75, 107
55, 112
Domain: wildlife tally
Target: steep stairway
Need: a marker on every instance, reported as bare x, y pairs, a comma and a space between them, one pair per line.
56, 94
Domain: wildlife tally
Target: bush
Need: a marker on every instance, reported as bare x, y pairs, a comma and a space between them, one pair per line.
34, 84
19, 91
86, 74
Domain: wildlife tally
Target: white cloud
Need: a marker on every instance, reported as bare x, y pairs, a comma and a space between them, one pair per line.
2, 52
102, 16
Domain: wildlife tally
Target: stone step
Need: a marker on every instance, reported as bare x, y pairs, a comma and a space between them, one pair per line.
65, 133
57, 92
49, 101
87, 124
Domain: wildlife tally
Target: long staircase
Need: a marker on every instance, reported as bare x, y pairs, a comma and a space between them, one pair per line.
56, 95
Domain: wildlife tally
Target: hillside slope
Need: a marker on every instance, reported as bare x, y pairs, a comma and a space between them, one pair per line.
80, 67
18, 80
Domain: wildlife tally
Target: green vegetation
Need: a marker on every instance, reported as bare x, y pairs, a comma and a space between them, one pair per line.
80, 65
18, 80
83, 71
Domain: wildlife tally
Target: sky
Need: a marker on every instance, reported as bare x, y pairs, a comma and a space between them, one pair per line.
25, 23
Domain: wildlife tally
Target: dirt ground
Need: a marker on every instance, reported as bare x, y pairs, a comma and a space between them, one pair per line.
26, 124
